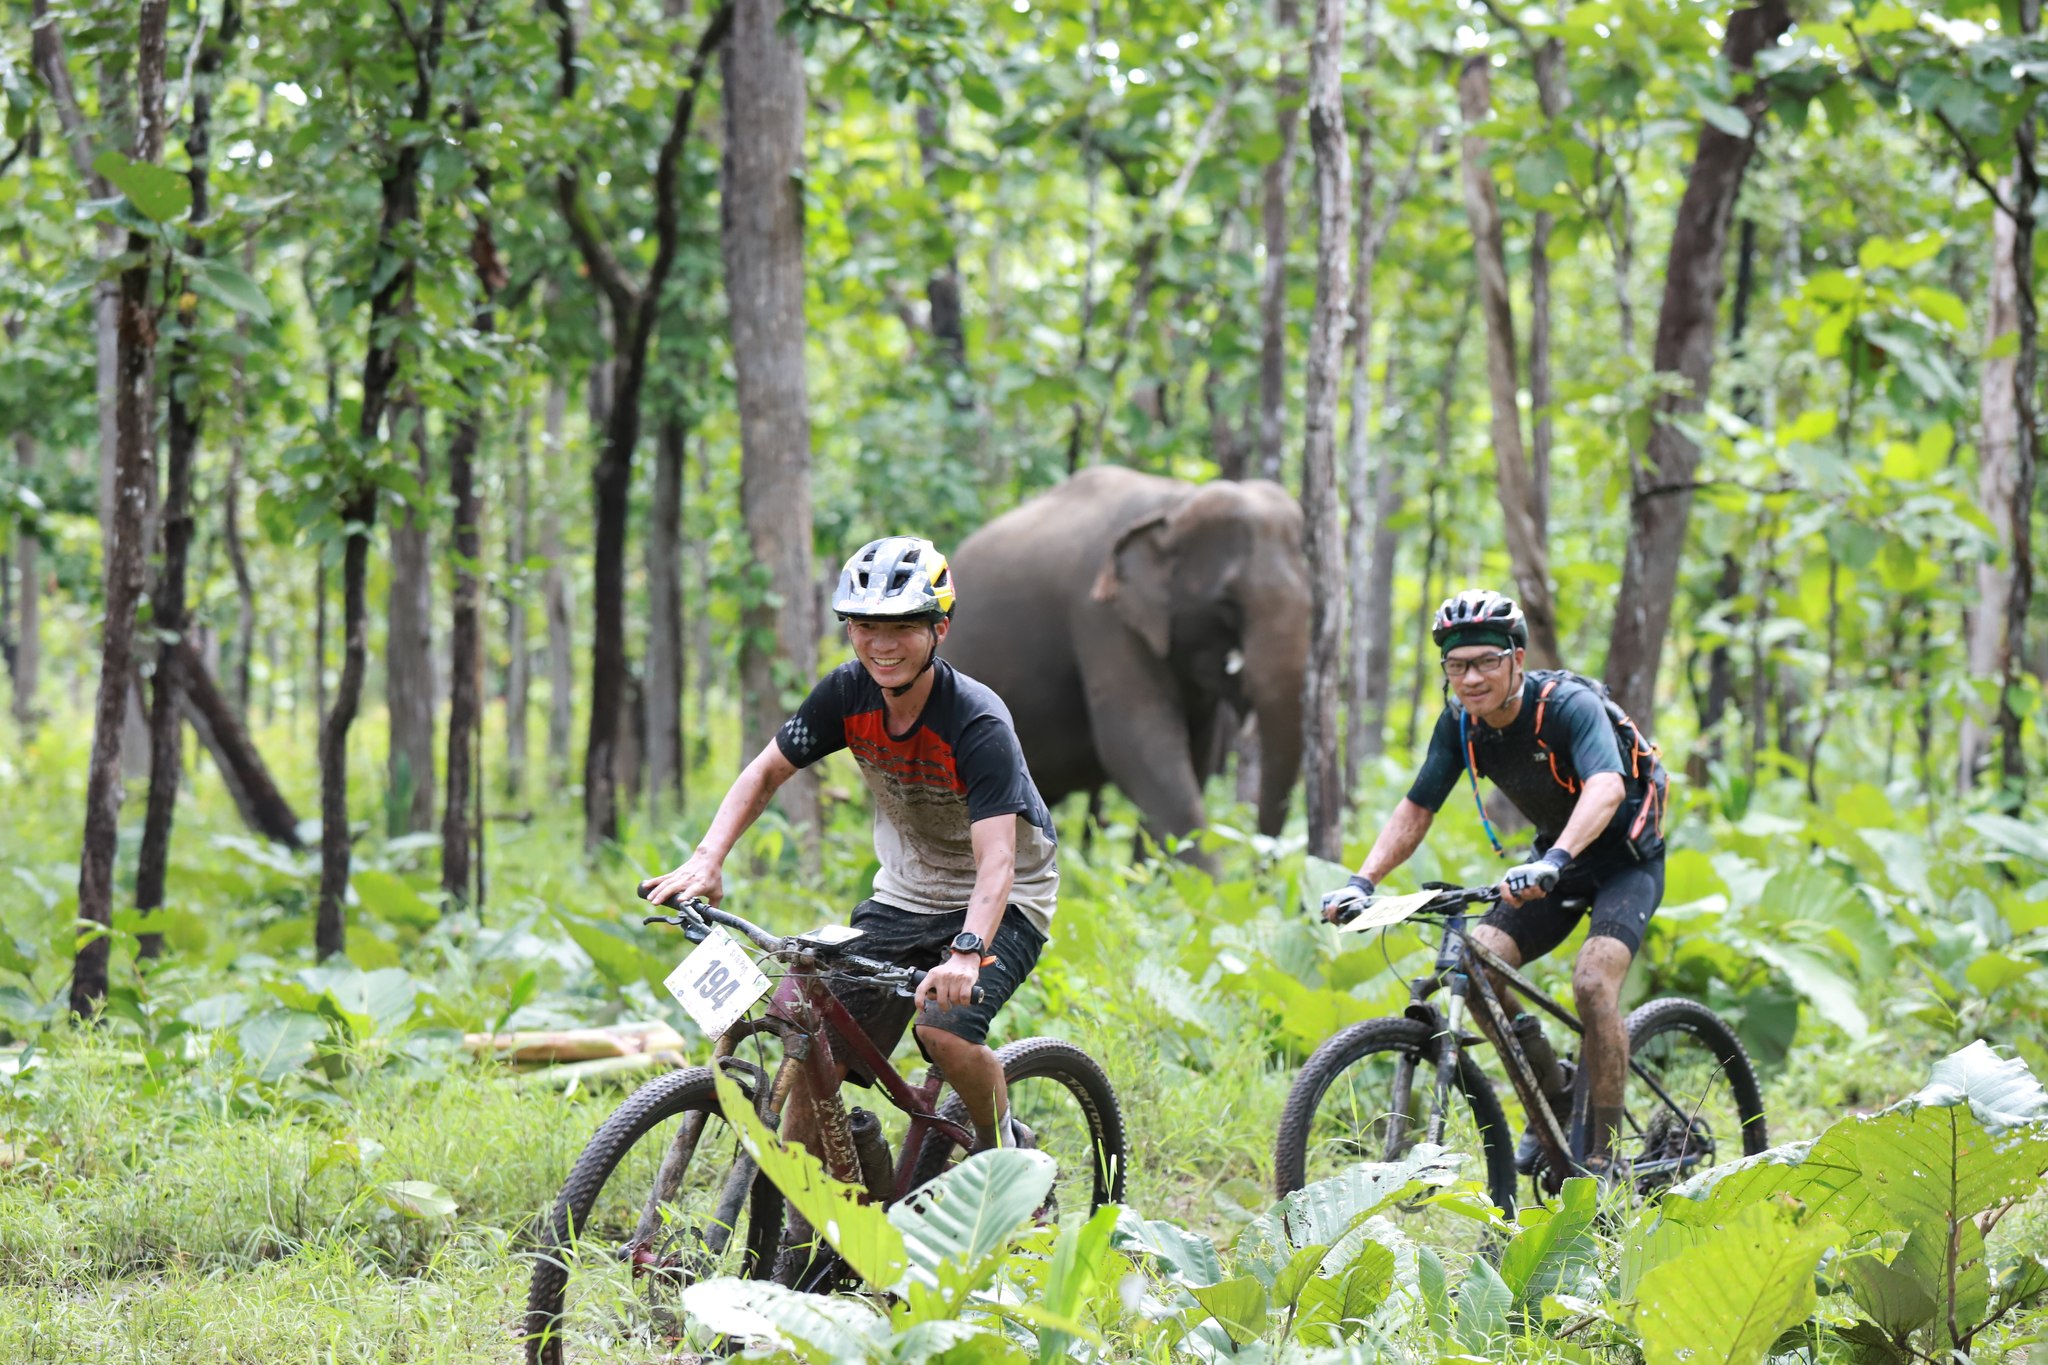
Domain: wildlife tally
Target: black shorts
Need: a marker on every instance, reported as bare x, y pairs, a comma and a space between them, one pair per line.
909, 938
1623, 896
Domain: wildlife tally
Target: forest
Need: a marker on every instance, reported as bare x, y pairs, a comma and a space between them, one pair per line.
435, 431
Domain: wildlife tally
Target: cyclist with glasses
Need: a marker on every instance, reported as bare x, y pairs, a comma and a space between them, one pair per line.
1571, 762
968, 874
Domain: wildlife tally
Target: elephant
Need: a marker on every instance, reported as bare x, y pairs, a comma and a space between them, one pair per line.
1127, 620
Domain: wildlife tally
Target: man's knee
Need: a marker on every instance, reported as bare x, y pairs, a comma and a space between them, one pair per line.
1497, 942
1598, 973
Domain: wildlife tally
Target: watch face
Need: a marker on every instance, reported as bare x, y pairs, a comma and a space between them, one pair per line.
968, 943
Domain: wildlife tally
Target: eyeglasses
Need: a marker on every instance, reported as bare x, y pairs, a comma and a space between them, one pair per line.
1486, 664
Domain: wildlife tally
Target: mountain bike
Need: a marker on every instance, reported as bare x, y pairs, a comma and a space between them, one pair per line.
665, 1195
1375, 1089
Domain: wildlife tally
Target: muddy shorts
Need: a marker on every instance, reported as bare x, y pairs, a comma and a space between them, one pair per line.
1622, 896
909, 938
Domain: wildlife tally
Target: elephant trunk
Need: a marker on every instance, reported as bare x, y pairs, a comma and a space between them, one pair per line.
1276, 656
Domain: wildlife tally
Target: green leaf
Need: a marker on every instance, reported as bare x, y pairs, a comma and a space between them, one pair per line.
216, 1012
1328, 1303
822, 1329
417, 1199
1238, 1305
375, 1003
1552, 1241
981, 92
1483, 1303
2002, 831
157, 193
858, 1231
1287, 1285
969, 1212
1078, 1257
1188, 1258
229, 286
617, 958
1831, 994
1897, 1299
2023, 1282
278, 1042
1726, 117
1726, 1299
388, 898
1326, 1210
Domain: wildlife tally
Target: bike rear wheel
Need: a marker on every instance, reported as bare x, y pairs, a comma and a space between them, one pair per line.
599, 1292
1064, 1099
1365, 1095
1710, 1108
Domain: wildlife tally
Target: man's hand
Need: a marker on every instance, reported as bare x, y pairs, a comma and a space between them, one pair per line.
950, 983
1533, 881
701, 876
1348, 901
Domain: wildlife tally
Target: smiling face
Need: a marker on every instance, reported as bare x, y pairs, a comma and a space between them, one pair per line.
1490, 676
894, 652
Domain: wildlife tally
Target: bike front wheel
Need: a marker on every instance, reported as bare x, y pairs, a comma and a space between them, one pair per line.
1695, 1101
1366, 1095
662, 1196
1065, 1103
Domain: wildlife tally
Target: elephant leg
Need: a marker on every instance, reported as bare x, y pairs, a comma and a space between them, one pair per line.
1142, 740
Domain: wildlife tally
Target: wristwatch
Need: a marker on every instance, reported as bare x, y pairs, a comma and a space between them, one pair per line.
965, 942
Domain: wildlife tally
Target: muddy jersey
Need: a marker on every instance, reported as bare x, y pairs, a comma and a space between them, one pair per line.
958, 763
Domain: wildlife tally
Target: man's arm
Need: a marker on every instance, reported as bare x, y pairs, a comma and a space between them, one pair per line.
702, 873
995, 868
1398, 839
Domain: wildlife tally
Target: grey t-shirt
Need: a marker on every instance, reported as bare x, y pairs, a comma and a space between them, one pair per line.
958, 763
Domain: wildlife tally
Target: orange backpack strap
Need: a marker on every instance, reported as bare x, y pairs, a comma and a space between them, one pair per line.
1536, 733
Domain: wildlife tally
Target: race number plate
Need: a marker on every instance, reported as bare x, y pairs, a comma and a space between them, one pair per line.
717, 983
1386, 910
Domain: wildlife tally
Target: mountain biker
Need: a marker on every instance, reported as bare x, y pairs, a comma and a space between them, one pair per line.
968, 878
1550, 743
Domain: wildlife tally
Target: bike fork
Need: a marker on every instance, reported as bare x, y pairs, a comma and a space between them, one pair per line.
1447, 1058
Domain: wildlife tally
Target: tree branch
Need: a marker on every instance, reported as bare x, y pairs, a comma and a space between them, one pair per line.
47, 55
1970, 159
667, 214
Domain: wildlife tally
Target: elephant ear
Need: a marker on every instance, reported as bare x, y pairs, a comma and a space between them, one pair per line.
1138, 580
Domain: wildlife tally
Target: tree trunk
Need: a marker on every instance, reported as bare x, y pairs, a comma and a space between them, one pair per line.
518, 663
409, 688
948, 323
399, 193
134, 474
1997, 478
1273, 284
2019, 534
1661, 497
1528, 555
28, 643
763, 226
319, 646
700, 626
1322, 535
1548, 63
263, 808
665, 639
187, 417
557, 600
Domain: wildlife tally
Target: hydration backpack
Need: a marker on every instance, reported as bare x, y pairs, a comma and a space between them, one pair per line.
1643, 775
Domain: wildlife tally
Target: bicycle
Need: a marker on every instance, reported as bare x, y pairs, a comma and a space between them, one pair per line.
664, 1195
1355, 1099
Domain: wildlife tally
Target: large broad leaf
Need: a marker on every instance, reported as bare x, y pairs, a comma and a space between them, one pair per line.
1483, 1303
225, 284
859, 1232
1239, 1307
1327, 1209
278, 1042
1188, 1258
617, 958
157, 192
1078, 1258
417, 1199
1727, 1298
1832, 995
1332, 1308
969, 1212
2014, 836
817, 1328
1551, 1242
373, 1003
389, 898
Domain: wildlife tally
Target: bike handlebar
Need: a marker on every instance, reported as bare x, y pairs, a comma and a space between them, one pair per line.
699, 914
1449, 900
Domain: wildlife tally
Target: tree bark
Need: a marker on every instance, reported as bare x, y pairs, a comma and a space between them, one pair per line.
2019, 534
948, 322
763, 227
518, 660
665, 638
1322, 537
400, 208
1547, 61
1528, 555
409, 685
186, 420
28, 643
1661, 478
1273, 283
263, 807
134, 475
557, 594
634, 309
